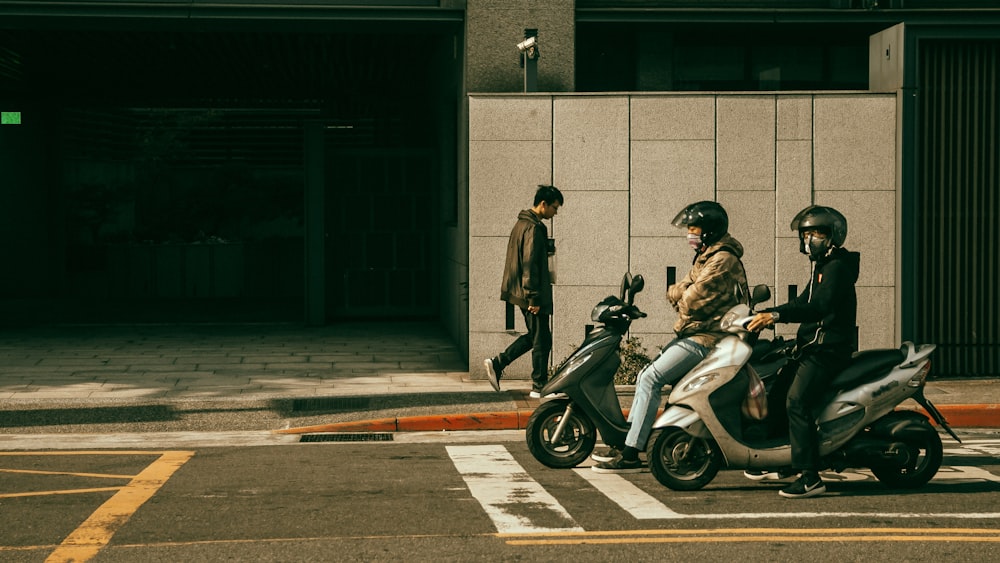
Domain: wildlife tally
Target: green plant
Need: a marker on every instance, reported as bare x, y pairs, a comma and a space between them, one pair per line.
634, 358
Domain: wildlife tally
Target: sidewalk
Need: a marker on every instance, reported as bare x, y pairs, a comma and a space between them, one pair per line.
289, 379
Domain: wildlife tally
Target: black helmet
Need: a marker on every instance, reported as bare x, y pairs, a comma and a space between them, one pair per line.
824, 219
708, 215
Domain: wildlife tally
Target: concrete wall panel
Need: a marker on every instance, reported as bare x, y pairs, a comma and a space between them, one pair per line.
666, 176
503, 177
876, 326
855, 139
746, 142
592, 238
510, 118
674, 118
794, 118
590, 143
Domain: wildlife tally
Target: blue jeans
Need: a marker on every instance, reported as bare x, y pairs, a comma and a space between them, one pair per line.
669, 367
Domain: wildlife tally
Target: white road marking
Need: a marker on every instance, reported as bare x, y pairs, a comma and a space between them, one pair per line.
510, 497
632, 499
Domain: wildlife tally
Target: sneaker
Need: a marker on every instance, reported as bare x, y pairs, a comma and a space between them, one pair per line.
492, 374
755, 475
619, 465
535, 394
607, 454
804, 487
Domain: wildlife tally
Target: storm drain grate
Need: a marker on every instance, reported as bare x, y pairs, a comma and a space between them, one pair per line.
330, 404
348, 437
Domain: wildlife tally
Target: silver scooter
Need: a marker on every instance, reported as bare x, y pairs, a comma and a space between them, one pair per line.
704, 429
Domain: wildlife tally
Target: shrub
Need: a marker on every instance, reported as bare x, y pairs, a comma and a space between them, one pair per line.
634, 358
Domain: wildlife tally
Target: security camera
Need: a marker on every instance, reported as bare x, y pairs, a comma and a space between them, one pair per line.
527, 44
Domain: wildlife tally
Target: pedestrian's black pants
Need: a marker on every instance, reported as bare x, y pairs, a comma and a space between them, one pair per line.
538, 339
815, 371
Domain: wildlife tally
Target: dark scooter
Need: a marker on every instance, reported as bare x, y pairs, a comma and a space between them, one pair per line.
561, 432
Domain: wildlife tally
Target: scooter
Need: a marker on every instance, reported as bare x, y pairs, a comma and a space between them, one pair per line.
561, 432
704, 428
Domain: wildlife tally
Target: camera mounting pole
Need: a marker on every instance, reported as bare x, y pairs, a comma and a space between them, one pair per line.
529, 59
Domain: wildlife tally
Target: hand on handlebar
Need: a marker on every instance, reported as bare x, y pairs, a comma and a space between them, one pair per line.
760, 321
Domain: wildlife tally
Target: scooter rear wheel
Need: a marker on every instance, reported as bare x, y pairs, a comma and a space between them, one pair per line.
575, 444
924, 453
683, 462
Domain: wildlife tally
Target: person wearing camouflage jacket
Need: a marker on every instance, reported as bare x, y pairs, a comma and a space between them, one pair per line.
716, 282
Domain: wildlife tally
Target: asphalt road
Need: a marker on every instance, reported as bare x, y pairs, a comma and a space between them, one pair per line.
466, 496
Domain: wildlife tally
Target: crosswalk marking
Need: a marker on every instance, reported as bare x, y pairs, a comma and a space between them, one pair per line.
515, 502
518, 504
631, 498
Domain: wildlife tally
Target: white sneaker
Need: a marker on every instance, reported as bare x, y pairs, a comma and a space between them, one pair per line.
491, 374
756, 475
535, 395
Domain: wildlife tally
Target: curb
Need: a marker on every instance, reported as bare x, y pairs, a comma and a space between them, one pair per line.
957, 416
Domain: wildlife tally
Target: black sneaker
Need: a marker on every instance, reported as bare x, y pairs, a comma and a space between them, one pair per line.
620, 465
607, 454
492, 374
755, 475
804, 487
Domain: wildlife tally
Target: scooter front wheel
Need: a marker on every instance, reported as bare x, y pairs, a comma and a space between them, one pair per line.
575, 441
683, 462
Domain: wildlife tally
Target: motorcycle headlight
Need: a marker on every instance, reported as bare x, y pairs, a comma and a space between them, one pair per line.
729, 319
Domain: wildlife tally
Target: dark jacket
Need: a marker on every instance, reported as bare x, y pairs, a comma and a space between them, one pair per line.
526, 280
828, 307
716, 282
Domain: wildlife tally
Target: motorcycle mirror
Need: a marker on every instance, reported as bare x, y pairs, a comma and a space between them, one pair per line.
635, 287
760, 294
626, 284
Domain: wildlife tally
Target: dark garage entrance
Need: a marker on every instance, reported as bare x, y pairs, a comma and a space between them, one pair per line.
157, 175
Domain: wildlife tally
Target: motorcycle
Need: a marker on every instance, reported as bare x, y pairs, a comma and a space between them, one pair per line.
704, 429
561, 432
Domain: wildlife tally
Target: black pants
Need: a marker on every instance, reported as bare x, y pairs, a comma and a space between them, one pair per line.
812, 378
538, 339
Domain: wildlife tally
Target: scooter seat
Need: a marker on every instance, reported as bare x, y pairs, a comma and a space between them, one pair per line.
867, 365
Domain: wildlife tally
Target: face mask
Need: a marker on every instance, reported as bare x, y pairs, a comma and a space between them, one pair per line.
816, 247
694, 241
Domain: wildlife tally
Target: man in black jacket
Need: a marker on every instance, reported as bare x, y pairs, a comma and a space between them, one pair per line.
826, 338
527, 284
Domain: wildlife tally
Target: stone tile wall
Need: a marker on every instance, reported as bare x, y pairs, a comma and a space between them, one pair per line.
628, 163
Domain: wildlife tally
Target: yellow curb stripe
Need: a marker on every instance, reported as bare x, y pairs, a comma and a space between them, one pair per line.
96, 531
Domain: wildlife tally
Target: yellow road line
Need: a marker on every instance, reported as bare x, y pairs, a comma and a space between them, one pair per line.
70, 473
96, 531
704, 531
82, 452
776, 538
64, 492
723, 535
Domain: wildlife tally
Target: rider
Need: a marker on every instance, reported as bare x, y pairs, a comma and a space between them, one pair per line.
716, 282
826, 338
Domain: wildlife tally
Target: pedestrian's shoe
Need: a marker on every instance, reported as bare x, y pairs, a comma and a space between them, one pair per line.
492, 374
607, 454
755, 475
807, 485
620, 465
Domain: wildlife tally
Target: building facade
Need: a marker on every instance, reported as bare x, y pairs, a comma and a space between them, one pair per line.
326, 161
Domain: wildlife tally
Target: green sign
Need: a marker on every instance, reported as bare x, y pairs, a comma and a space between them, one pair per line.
10, 118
